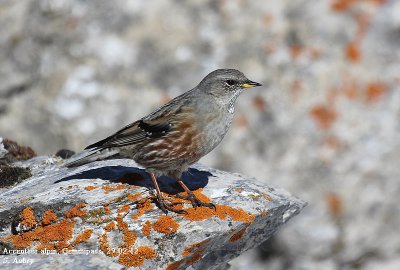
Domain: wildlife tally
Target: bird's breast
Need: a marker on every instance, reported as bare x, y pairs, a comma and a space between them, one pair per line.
214, 128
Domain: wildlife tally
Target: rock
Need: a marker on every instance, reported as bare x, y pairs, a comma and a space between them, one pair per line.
103, 215
3, 151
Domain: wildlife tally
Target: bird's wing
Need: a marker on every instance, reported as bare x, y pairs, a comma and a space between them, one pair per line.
155, 125
133, 133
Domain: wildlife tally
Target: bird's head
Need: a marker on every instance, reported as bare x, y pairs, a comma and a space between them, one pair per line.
226, 84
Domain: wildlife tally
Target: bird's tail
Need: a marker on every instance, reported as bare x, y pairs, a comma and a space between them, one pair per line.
90, 155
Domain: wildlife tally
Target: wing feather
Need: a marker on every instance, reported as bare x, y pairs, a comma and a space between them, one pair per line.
157, 124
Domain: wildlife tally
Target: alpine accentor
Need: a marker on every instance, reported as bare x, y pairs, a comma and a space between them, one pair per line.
179, 133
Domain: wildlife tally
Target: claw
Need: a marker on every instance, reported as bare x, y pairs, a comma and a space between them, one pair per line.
165, 207
195, 201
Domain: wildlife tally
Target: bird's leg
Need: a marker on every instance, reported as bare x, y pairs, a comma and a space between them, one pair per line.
192, 198
165, 207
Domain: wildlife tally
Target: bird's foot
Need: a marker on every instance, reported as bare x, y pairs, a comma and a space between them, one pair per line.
195, 201
169, 206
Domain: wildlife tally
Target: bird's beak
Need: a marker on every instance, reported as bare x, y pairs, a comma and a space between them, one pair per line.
250, 84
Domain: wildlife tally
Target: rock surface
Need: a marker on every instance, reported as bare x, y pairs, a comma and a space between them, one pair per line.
102, 215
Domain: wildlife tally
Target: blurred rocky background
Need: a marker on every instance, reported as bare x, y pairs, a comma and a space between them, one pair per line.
325, 126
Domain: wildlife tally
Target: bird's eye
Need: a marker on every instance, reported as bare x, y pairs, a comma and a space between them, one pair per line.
230, 82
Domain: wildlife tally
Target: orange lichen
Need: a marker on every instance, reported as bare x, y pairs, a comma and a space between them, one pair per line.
146, 251
107, 210
198, 213
296, 88
375, 91
353, 51
143, 206
241, 121
315, 52
82, 237
113, 188
105, 247
350, 89
76, 211
28, 219
295, 50
193, 253
166, 225
123, 209
221, 211
53, 236
137, 258
129, 237
259, 103
342, 5
89, 188
122, 225
235, 214
175, 265
133, 197
334, 204
264, 213
49, 217
332, 142
194, 247
239, 234
267, 197
146, 229
110, 226
324, 116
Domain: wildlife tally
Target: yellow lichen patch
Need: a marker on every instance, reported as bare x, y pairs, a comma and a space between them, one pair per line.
48, 217
82, 237
137, 257
89, 188
26, 200
76, 211
267, 197
28, 219
166, 225
239, 234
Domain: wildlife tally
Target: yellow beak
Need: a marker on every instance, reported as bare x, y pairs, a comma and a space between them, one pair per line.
250, 84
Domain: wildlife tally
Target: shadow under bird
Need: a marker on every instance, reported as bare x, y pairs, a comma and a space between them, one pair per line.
178, 134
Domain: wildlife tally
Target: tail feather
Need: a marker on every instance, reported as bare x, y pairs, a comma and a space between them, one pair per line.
91, 155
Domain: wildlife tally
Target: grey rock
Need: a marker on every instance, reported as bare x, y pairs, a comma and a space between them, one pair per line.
3, 151
247, 213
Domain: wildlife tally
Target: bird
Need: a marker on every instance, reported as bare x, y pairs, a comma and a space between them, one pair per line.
179, 133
